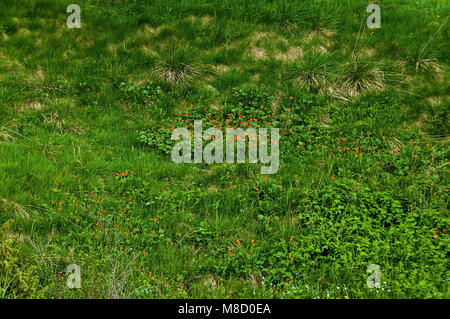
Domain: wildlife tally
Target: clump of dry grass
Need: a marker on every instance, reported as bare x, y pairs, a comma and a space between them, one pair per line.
15, 208
426, 64
178, 65
358, 76
312, 73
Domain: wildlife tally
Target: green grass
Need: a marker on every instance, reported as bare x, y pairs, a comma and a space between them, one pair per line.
86, 175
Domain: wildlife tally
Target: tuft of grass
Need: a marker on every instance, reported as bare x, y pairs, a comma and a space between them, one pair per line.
313, 73
421, 60
14, 208
358, 76
178, 65
321, 20
286, 17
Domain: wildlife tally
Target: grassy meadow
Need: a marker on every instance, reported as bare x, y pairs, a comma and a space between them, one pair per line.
86, 176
